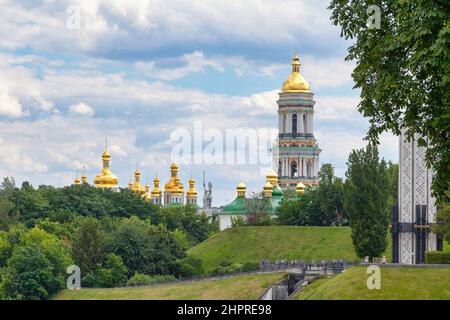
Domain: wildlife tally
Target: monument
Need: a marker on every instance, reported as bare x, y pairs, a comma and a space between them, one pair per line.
416, 210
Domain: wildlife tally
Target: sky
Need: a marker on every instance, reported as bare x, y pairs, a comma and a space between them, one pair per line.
139, 72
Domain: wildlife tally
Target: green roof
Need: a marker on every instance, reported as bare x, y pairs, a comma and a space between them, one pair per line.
235, 207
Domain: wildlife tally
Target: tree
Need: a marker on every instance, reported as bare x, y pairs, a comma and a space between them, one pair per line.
87, 245
392, 173
37, 267
330, 195
403, 71
145, 248
302, 211
256, 210
366, 201
443, 218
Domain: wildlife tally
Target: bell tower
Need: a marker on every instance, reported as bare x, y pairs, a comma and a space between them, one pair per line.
297, 152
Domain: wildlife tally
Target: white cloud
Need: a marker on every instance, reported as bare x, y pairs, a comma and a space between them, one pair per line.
10, 105
81, 109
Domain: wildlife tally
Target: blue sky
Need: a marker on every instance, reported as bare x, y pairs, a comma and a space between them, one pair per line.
136, 71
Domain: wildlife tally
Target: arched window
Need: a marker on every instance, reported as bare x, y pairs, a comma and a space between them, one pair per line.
293, 169
309, 169
284, 123
294, 124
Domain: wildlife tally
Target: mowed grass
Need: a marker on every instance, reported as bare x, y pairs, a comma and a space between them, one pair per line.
253, 244
396, 284
247, 287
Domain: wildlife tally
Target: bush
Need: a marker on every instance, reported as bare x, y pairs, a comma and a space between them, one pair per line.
112, 273
140, 279
437, 257
189, 267
250, 266
226, 267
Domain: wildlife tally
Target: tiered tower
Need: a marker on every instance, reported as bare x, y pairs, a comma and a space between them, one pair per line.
191, 195
297, 151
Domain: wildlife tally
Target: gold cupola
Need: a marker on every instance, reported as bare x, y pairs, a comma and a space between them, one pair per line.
241, 189
147, 195
156, 192
84, 177
296, 82
137, 186
174, 185
106, 179
192, 193
272, 177
300, 189
77, 180
267, 190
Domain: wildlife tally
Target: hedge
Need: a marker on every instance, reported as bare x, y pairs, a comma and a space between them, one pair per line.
437, 257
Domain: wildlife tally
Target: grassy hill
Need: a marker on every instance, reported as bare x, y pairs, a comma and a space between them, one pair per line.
252, 244
396, 284
248, 287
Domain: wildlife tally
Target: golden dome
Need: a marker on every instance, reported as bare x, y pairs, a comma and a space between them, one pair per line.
77, 181
106, 179
267, 190
296, 82
84, 177
241, 189
300, 189
272, 177
156, 192
191, 192
174, 185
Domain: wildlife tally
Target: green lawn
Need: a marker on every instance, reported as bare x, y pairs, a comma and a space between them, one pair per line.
396, 284
248, 287
252, 244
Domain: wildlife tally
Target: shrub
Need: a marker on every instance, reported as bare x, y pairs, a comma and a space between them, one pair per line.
250, 266
140, 279
112, 273
189, 267
437, 257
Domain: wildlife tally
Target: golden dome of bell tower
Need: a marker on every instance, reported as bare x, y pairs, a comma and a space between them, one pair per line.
106, 179
296, 82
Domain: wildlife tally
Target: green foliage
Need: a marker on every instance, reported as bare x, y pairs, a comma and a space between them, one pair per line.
403, 71
302, 211
227, 267
320, 206
87, 245
145, 248
392, 184
189, 267
111, 273
238, 221
37, 267
196, 226
139, 279
366, 201
443, 217
437, 257
256, 210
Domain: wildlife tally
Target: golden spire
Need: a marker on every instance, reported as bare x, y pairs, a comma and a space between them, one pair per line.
130, 184
192, 193
296, 82
147, 195
300, 189
174, 185
156, 192
267, 190
272, 177
241, 189
84, 177
137, 187
106, 179
77, 180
